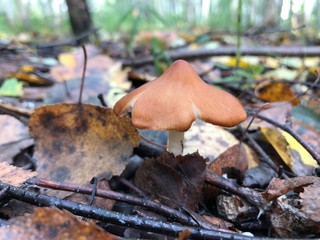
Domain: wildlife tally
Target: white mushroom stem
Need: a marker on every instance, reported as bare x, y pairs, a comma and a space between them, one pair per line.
175, 142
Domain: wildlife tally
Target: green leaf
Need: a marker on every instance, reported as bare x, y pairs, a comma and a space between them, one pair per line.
11, 87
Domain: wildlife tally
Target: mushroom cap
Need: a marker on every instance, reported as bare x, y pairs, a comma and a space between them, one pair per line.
176, 99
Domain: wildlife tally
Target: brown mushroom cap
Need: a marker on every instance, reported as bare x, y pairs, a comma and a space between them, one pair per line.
176, 99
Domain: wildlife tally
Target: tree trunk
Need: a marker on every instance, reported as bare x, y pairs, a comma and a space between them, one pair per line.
80, 18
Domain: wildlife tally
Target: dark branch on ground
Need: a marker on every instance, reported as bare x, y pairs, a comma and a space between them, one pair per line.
115, 218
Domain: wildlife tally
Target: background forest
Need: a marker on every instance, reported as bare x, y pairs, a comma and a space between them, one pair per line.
41, 16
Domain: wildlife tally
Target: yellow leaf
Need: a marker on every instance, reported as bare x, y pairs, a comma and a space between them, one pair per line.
306, 158
232, 62
291, 152
27, 68
275, 92
67, 59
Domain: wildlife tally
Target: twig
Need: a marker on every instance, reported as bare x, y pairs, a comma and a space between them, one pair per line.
101, 99
114, 217
83, 72
264, 155
68, 42
251, 196
143, 202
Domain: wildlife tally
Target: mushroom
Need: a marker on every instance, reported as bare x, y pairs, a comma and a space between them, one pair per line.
173, 101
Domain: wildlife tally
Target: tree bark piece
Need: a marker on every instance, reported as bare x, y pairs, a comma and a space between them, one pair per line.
80, 17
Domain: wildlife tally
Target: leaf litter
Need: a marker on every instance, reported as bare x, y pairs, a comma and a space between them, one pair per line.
74, 142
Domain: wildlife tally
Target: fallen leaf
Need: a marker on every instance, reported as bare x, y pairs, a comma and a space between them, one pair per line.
14, 175
287, 221
173, 181
32, 78
184, 235
12, 130
290, 151
234, 156
75, 142
311, 201
10, 150
269, 91
281, 73
11, 87
279, 187
52, 223
220, 223
209, 140
277, 111
233, 208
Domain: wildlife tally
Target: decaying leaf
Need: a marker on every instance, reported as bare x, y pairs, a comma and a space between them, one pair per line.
14, 175
75, 142
11, 129
175, 181
279, 187
275, 92
234, 208
209, 140
289, 222
31, 78
52, 223
277, 111
311, 201
234, 157
184, 235
10, 150
220, 223
292, 153
287, 219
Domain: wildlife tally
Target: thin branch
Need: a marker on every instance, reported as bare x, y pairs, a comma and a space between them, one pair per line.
143, 202
114, 217
266, 159
83, 72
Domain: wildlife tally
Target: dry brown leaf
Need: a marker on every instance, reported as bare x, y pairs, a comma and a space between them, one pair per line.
75, 142
11, 129
14, 175
289, 222
234, 156
311, 201
220, 223
173, 181
52, 223
10, 150
277, 111
279, 187
184, 235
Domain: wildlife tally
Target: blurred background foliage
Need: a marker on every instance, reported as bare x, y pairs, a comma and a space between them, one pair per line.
50, 17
